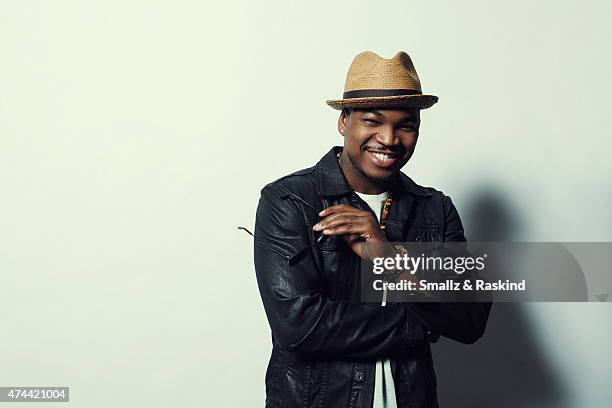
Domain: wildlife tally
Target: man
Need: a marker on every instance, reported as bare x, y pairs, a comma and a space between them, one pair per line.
329, 349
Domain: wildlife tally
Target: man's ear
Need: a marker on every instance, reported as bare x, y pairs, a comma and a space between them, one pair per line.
342, 122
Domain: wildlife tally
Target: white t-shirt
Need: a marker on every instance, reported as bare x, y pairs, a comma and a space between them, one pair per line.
384, 387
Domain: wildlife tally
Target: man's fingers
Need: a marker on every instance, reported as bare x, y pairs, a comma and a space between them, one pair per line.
335, 220
337, 208
345, 228
341, 230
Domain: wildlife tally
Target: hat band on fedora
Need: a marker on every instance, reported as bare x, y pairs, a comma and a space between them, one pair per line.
373, 93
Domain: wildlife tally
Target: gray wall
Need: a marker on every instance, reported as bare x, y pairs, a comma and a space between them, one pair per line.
135, 136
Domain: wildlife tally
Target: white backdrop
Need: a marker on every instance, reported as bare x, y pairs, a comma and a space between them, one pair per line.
135, 136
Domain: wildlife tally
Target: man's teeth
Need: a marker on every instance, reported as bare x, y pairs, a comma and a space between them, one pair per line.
381, 156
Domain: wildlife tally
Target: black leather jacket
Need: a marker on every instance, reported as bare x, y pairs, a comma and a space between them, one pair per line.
324, 341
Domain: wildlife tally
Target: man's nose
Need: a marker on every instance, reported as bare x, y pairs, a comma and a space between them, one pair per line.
387, 136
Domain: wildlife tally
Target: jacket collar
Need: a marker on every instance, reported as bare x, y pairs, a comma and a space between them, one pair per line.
331, 180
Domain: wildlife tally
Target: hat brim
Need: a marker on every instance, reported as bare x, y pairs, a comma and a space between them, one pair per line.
414, 101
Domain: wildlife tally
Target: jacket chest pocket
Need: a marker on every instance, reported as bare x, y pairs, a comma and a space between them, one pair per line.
424, 232
337, 266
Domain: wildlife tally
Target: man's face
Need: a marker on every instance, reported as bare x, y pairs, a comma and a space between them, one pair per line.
379, 142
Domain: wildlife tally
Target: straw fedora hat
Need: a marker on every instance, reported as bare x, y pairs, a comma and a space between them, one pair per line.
373, 81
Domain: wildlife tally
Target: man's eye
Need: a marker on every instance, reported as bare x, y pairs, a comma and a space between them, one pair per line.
370, 121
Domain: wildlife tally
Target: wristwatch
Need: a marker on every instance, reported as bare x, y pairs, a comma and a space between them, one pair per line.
391, 275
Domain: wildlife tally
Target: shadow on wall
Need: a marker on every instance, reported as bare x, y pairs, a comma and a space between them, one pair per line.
506, 367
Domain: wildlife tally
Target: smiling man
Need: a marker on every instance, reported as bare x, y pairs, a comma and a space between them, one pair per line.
328, 348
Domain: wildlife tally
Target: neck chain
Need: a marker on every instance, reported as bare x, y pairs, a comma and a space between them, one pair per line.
386, 206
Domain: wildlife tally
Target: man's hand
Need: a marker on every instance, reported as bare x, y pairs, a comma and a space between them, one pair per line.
354, 225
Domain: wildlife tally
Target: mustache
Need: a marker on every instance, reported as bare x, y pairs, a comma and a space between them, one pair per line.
382, 149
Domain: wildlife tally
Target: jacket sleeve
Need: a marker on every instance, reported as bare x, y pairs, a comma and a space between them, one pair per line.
464, 322
302, 318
